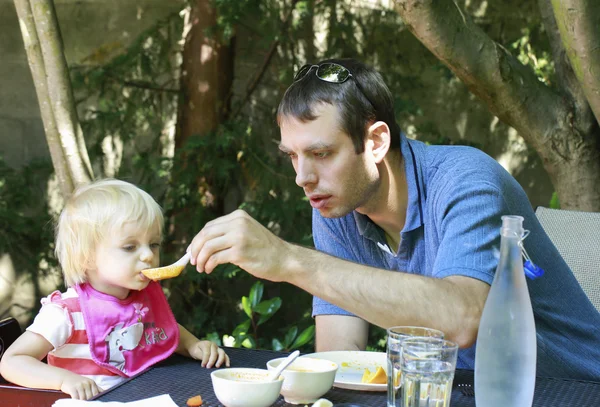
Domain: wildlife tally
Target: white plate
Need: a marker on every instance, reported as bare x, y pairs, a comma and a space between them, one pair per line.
352, 365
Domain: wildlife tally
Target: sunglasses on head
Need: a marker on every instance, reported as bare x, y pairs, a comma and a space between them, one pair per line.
332, 73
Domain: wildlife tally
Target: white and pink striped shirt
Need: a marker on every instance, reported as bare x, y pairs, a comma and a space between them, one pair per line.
71, 348
106, 338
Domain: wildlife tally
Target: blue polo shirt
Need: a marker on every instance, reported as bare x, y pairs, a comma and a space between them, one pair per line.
456, 198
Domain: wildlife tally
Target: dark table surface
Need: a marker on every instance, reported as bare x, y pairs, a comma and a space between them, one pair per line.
183, 378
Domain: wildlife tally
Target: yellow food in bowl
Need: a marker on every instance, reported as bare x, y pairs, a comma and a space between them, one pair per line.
377, 377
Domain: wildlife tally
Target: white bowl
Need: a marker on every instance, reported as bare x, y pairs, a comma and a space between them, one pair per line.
306, 379
245, 387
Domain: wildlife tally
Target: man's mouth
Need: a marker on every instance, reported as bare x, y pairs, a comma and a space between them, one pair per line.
319, 201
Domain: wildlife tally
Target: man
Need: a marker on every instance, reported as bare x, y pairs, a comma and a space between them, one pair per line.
381, 202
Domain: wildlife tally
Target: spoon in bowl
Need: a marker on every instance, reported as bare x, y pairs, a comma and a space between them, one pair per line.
161, 273
284, 363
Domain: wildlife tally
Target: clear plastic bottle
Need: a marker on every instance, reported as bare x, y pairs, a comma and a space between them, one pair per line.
505, 357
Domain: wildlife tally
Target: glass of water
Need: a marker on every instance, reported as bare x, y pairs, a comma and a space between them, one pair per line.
395, 336
427, 366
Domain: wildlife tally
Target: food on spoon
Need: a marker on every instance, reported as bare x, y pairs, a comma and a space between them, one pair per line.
195, 401
377, 377
162, 273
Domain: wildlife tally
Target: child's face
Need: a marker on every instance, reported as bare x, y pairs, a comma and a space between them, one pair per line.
121, 256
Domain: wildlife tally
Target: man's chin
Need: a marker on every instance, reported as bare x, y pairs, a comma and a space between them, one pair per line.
333, 213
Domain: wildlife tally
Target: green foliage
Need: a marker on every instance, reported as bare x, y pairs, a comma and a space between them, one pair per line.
26, 232
125, 106
539, 60
377, 339
231, 13
246, 334
210, 170
554, 204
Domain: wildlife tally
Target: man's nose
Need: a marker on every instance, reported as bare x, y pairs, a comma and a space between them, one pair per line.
305, 173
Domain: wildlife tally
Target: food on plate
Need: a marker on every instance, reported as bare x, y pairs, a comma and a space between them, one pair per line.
377, 377
195, 401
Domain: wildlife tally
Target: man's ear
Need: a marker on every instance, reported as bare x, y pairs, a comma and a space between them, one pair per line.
378, 139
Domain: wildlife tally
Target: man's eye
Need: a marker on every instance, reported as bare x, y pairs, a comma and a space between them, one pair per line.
322, 154
129, 248
155, 246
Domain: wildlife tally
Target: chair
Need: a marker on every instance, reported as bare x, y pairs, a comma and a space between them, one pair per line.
9, 332
576, 236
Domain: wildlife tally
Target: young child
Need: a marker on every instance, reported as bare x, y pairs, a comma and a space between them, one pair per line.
112, 322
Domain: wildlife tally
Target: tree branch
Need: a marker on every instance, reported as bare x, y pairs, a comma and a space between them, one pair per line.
510, 90
142, 85
60, 91
579, 25
38, 73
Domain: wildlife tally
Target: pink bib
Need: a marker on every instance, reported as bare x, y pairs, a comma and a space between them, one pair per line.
130, 335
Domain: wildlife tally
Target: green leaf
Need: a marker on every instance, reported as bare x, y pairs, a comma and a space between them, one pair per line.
249, 343
256, 293
214, 337
246, 306
306, 336
263, 319
290, 335
276, 344
554, 203
268, 307
241, 329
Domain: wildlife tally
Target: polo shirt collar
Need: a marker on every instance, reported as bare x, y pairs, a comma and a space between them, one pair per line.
413, 153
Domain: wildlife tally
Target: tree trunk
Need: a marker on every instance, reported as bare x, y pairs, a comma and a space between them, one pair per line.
36, 64
579, 25
205, 83
41, 35
206, 75
562, 131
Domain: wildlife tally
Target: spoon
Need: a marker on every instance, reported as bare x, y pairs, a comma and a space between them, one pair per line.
284, 363
175, 269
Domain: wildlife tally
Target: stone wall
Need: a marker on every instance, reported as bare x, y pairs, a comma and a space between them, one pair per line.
93, 31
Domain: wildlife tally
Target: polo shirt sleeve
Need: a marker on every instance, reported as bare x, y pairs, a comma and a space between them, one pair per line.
468, 211
327, 239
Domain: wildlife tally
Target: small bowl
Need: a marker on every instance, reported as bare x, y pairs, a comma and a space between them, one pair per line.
245, 387
306, 379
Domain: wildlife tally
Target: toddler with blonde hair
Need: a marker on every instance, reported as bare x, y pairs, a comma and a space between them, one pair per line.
112, 322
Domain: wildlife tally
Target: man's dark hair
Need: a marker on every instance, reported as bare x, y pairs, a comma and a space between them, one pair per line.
356, 111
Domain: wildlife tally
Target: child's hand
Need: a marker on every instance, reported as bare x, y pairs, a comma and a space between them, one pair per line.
79, 387
209, 353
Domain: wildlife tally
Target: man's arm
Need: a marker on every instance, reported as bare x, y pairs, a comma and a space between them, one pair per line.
452, 304
340, 332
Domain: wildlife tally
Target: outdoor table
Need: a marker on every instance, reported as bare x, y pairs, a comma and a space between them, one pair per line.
183, 378
16, 396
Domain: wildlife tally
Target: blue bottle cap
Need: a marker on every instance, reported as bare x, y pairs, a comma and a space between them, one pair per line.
532, 271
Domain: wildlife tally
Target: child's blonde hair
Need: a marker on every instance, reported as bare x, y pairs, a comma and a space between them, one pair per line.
90, 213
